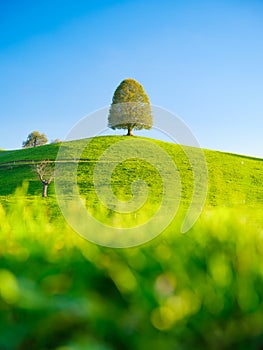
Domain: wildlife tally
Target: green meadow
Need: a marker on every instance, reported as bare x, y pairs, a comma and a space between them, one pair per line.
199, 290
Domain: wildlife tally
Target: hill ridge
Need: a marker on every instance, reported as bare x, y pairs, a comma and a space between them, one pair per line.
232, 178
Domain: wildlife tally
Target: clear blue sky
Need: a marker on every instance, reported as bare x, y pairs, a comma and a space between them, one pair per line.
203, 60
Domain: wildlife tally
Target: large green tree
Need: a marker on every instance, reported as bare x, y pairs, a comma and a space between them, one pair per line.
130, 108
35, 139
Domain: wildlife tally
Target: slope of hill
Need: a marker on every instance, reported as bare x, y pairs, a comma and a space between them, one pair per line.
232, 179
200, 290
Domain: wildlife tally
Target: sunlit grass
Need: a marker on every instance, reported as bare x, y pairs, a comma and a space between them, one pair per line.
233, 179
201, 290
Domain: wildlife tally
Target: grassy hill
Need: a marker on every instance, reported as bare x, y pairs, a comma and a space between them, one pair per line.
200, 290
233, 179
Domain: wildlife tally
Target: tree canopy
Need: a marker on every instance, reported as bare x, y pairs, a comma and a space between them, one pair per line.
35, 139
130, 108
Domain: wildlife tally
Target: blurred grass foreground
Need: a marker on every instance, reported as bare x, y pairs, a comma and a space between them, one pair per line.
200, 290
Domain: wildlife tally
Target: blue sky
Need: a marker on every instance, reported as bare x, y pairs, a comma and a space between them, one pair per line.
202, 60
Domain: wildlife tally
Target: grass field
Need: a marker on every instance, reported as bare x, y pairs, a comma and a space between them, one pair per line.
199, 290
233, 179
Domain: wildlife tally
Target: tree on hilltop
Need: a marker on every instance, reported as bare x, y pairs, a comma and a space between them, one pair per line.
130, 108
35, 139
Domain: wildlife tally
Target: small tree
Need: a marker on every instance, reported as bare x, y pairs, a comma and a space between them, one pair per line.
45, 171
130, 108
35, 139
52, 142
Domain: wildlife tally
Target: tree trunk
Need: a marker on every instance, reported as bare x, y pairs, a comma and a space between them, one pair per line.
129, 133
44, 190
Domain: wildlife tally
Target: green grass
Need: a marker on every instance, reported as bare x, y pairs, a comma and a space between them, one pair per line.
37, 153
233, 179
16, 167
199, 290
